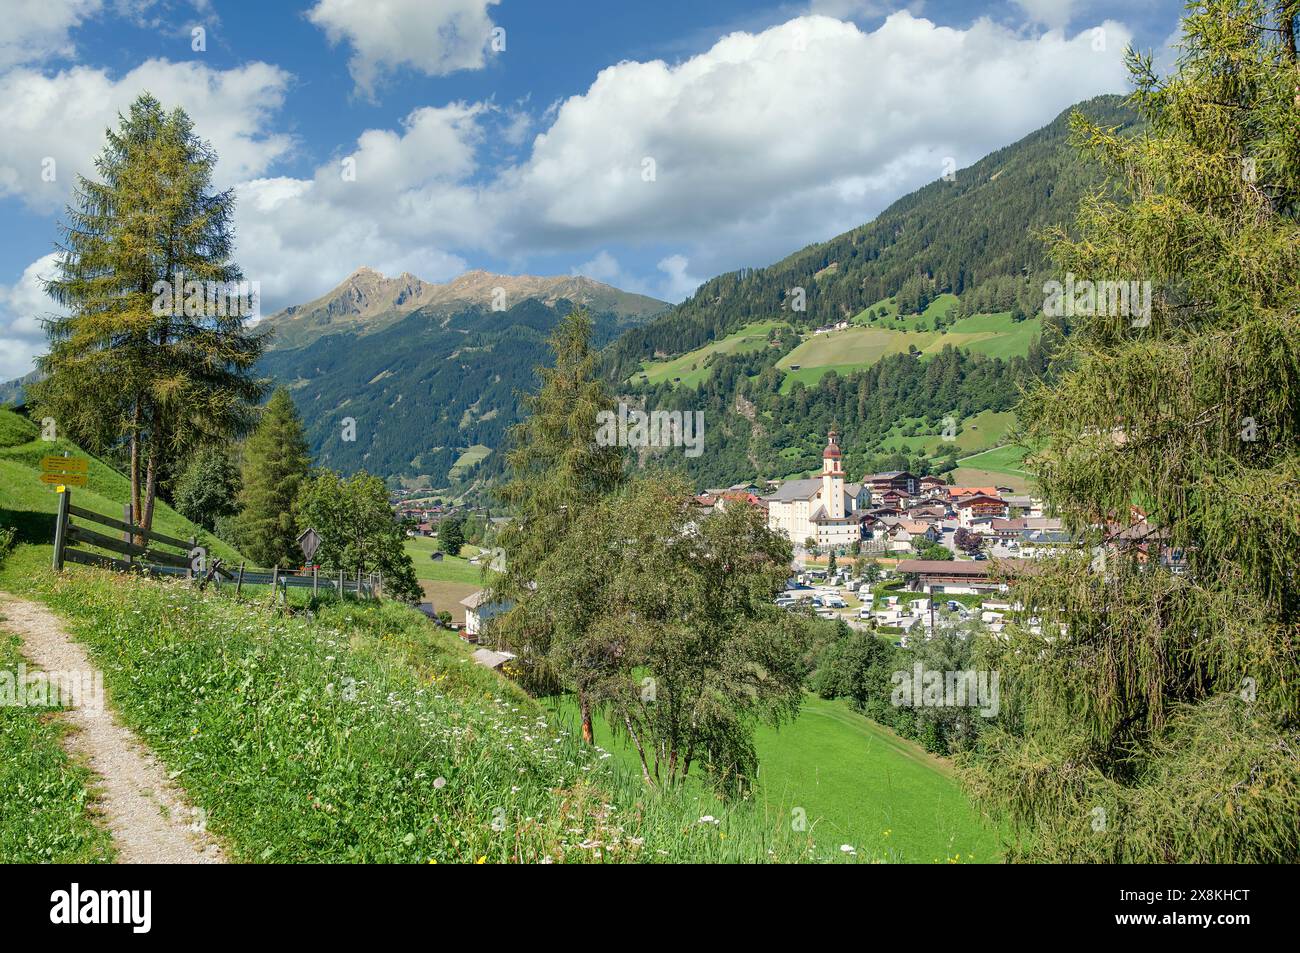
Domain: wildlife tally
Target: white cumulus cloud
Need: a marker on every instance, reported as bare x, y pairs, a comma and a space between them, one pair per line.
436, 37
55, 123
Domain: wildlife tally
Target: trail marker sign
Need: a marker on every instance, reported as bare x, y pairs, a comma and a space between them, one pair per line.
65, 471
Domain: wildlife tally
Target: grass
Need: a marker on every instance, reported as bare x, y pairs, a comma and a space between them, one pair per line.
996, 334
857, 783
985, 429
29, 506
447, 569
359, 733
45, 811
468, 458
690, 367
1003, 466
852, 349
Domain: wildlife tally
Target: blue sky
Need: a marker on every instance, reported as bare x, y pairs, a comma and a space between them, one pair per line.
651, 145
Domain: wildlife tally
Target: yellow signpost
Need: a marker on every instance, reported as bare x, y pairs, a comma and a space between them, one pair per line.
66, 471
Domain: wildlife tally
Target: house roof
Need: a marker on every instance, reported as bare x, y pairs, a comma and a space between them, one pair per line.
979, 498
954, 567
474, 600
956, 491
489, 659
792, 490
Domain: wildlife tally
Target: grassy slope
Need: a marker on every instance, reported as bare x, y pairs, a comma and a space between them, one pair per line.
361, 733
1001, 465
985, 429
858, 783
29, 505
447, 581
690, 367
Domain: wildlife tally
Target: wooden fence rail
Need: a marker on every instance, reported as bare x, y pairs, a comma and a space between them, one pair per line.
191, 563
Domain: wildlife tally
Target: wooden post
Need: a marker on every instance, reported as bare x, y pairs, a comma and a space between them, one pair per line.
239, 586
126, 534
189, 572
340, 585
275, 583
61, 527
315, 572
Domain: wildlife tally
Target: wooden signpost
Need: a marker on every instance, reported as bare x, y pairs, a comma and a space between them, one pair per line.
64, 471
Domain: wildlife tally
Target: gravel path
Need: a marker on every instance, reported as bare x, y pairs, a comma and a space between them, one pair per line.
146, 813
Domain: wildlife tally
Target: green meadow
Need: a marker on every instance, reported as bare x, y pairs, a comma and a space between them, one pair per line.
856, 783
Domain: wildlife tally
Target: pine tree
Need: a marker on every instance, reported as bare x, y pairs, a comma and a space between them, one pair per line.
1159, 711
140, 367
558, 471
276, 461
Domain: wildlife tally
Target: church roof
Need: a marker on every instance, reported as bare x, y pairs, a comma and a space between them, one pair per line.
792, 490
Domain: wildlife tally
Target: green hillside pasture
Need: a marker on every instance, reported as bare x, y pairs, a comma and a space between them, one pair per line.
690, 367
853, 349
1000, 466
467, 459
995, 334
1009, 459
857, 783
29, 505
360, 733
988, 428
936, 310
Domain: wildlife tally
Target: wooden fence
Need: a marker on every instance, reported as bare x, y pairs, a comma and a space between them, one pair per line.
157, 557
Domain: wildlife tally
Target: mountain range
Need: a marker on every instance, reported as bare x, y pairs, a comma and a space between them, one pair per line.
937, 302
367, 301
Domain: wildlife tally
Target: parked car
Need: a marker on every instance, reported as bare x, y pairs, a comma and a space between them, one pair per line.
864, 612
834, 602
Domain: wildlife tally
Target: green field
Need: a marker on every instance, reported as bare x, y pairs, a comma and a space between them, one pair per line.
447, 569
690, 367
853, 349
467, 459
858, 783
985, 429
996, 334
1001, 465
29, 505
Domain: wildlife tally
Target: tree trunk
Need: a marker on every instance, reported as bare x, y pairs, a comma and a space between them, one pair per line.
150, 490
636, 740
135, 472
1287, 11
584, 706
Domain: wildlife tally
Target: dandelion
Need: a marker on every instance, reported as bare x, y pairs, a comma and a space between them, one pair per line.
848, 849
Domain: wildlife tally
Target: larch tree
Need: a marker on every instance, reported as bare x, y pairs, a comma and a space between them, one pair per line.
154, 356
276, 461
1159, 690
558, 471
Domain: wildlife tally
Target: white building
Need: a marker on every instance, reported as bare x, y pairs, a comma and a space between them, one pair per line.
822, 509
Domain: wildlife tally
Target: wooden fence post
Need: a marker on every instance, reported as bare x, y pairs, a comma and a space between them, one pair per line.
315, 572
61, 528
239, 586
189, 572
340, 585
275, 583
126, 534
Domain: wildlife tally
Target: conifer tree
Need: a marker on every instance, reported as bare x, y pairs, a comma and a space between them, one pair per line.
139, 367
276, 461
1159, 716
558, 471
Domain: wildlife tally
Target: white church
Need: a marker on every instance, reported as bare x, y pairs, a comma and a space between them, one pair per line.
821, 509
